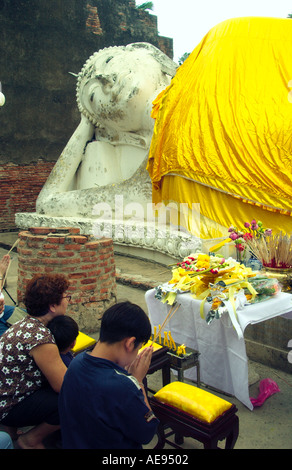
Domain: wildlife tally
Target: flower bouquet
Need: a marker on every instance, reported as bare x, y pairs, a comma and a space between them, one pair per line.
225, 284
252, 233
196, 272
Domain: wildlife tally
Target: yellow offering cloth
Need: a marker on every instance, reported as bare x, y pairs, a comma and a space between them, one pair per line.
222, 136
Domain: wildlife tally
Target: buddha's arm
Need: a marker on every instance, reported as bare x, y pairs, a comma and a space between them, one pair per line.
67, 164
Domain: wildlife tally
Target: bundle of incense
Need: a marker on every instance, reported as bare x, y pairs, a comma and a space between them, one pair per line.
167, 318
274, 250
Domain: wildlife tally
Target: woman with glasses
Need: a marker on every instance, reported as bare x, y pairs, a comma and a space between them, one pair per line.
31, 369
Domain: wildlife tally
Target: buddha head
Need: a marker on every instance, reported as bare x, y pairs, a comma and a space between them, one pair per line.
117, 85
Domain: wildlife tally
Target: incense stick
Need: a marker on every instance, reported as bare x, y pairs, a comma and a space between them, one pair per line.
14, 245
167, 318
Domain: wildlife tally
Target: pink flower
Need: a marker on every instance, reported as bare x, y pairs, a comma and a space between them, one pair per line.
247, 236
233, 236
268, 232
247, 224
231, 229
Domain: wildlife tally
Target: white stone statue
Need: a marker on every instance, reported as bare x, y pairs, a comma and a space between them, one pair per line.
107, 154
100, 182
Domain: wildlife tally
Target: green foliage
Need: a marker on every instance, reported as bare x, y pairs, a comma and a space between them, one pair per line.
183, 58
145, 6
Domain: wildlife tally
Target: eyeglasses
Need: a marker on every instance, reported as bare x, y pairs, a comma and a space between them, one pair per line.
67, 297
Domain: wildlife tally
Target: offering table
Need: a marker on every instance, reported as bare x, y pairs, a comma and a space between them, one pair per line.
223, 359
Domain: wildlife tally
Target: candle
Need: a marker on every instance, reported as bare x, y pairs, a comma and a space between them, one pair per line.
159, 335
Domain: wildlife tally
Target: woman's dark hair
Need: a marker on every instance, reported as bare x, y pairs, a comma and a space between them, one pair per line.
124, 320
43, 291
65, 331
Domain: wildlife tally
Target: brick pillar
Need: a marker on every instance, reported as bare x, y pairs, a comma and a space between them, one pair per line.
88, 263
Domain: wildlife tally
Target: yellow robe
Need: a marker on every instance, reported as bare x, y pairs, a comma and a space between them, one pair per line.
223, 130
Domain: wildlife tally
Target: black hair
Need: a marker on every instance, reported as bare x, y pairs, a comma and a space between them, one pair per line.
65, 330
125, 320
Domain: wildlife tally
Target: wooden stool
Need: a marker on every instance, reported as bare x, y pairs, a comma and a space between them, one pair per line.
192, 412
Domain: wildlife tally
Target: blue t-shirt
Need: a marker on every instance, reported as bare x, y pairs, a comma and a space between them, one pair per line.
8, 311
101, 406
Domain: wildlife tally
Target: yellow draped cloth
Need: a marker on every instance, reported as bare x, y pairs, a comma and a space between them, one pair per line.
223, 130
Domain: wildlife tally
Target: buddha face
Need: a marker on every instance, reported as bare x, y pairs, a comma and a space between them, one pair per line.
122, 84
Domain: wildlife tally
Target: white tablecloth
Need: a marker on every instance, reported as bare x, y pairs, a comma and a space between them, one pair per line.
223, 360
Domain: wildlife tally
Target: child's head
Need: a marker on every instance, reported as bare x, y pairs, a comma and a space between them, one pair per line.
124, 320
65, 331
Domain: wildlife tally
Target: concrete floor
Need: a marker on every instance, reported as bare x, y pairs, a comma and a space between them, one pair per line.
267, 427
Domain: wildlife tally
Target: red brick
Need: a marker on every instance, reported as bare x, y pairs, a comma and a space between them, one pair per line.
36, 238
104, 263
88, 259
65, 254
51, 261
87, 267
103, 277
41, 230
50, 246
72, 246
96, 272
48, 269
23, 235
70, 229
44, 254
88, 281
92, 245
77, 275
24, 251
88, 287
55, 239
80, 239
104, 256
106, 241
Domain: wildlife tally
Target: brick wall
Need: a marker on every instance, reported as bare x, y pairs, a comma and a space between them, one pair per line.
20, 186
88, 263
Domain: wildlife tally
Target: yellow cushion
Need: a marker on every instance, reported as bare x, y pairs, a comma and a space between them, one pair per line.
83, 342
197, 402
